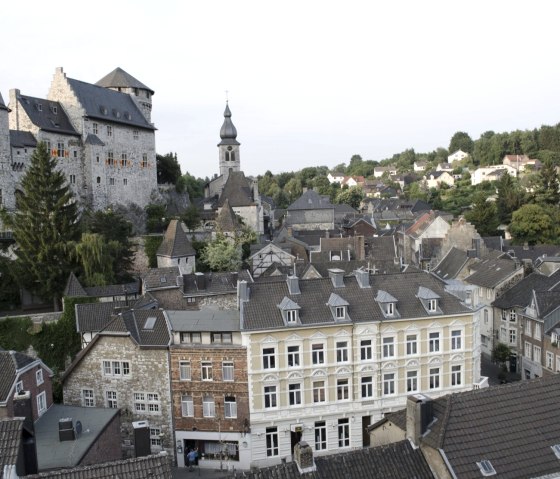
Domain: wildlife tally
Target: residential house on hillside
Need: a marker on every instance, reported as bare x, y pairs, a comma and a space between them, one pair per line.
20, 372
457, 156
420, 165
326, 357
435, 179
335, 177
521, 162
504, 431
125, 367
491, 173
444, 167
379, 171
209, 387
176, 249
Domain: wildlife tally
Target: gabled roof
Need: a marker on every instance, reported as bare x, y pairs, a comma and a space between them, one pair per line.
119, 78
108, 105
237, 191
2, 104
546, 302
451, 264
521, 293
175, 243
11, 430
512, 425
11, 362
22, 139
490, 272
393, 461
158, 278
135, 323
226, 221
214, 283
92, 139
42, 114
91, 317
311, 200
73, 287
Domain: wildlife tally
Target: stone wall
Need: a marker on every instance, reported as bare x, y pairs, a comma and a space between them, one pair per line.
107, 446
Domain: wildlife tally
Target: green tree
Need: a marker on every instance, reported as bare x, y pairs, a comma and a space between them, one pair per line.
191, 217
193, 186
96, 256
532, 224
352, 196
222, 254
45, 222
547, 190
461, 141
168, 168
484, 215
156, 221
510, 197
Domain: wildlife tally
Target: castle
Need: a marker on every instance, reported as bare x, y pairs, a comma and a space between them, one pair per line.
101, 134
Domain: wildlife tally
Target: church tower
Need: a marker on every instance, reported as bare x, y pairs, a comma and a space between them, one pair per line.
228, 147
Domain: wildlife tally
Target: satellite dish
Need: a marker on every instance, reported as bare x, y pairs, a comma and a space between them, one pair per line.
78, 428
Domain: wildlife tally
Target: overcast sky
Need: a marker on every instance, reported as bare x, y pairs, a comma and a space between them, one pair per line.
310, 82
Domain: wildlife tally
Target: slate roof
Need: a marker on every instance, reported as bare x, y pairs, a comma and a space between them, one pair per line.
260, 312
226, 221
392, 461
10, 440
215, 283
146, 467
135, 321
237, 191
92, 139
520, 294
45, 118
22, 139
75, 289
451, 264
175, 243
157, 278
10, 363
119, 107
512, 425
311, 200
546, 302
207, 319
119, 78
490, 272
95, 316
2, 104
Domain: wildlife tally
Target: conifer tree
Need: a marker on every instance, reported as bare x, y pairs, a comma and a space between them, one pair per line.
44, 223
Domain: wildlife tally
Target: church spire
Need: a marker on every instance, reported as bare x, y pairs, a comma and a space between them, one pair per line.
229, 146
228, 132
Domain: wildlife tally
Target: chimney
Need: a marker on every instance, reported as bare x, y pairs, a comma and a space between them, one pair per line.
362, 277
242, 292
337, 277
200, 279
293, 284
66, 429
141, 438
234, 278
23, 407
418, 416
185, 282
303, 456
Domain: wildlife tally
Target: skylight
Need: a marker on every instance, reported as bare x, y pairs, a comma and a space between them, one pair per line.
150, 322
486, 468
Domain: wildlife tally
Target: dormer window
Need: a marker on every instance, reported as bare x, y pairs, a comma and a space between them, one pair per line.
340, 312
338, 307
429, 300
388, 304
291, 316
290, 311
390, 309
432, 305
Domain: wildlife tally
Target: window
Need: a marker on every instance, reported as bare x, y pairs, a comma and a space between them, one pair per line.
124, 157
221, 338
434, 378
144, 160
61, 152
116, 368
75, 153
512, 315
434, 342
366, 352
135, 134
367, 387
94, 128
320, 435
125, 181
294, 394
485, 316
537, 354
388, 384
549, 360
432, 305
19, 386
230, 407
72, 179
317, 354
456, 379
411, 381
98, 179
97, 158
340, 312
39, 377
537, 331
527, 328
342, 352
557, 364
291, 316
528, 350
41, 403
206, 368
390, 309
111, 399
344, 432
88, 399
155, 437
512, 336
208, 406
271, 441
227, 371
318, 391
342, 390
112, 181
456, 339
389, 347
411, 344
146, 402
110, 158
109, 130
191, 338
269, 358
270, 396
293, 356
187, 406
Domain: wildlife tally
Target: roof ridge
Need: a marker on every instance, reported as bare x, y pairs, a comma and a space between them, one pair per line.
445, 420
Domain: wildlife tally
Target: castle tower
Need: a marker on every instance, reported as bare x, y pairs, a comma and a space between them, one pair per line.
228, 147
5, 154
119, 80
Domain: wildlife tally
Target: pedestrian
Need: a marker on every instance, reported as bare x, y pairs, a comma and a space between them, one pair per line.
192, 456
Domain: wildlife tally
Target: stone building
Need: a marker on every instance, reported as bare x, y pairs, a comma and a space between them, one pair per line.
125, 366
101, 135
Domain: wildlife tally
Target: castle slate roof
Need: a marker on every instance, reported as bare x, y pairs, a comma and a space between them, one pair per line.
311, 200
520, 294
11, 430
260, 311
48, 115
109, 105
175, 243
490, 272
119, 78
237, 191
392, 461
22, 139
451, 264
10, 364
96, 316
513, 426
92, 139
146, 467
158, 278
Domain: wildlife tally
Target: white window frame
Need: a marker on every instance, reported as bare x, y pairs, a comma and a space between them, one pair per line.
342, 355
230, 407
528, 328
206, 372
185, 371
432, 305
549, 360
389, 346
111, 399
456, 375
294, 394
434, 345
320, 435
412, 381
343, 389
512, 336
39, 377
208, 406
318, 353
537, 354
293, 356
41, 403
340, 312
319, 389
291, 316
389, 384
538, 329
270, 396
88, 398
271, 439
456, 339
228, 371
343, 432
412, 344
528, 350
434, 378
114, 368
367, 387
147, 402
187, 405
366, 350
269, 357
155, 438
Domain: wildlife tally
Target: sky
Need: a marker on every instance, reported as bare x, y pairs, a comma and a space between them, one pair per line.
309, 83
